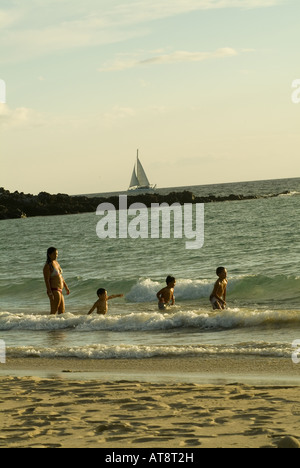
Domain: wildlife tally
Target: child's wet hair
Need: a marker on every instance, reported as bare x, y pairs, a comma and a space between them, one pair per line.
220, 270
170, 279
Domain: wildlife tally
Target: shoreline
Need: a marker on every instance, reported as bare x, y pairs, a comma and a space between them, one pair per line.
150, 403
209, 369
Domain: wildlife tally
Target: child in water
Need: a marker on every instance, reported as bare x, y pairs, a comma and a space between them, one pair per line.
101, 305
166, 295
218, 296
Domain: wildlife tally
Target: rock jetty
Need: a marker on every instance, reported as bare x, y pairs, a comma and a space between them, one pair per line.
20, 205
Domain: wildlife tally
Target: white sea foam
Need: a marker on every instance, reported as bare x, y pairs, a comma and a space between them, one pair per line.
152, 320
292, 193
252, 288
124, 351
145, 290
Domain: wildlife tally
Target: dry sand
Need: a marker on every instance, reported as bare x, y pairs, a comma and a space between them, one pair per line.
100, 410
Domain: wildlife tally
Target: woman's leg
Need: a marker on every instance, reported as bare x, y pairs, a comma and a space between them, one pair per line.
57, 303
61, 307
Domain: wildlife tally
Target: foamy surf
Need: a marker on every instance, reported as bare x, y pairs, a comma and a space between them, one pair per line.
243, 289
126, 351
247, 288
152, 321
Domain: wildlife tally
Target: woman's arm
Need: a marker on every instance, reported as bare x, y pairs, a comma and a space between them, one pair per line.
66, 287
64, 283
47, 275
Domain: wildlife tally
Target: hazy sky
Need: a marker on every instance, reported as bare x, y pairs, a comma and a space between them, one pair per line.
202, 87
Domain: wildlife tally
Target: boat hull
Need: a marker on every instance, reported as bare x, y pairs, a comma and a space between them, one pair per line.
142, 189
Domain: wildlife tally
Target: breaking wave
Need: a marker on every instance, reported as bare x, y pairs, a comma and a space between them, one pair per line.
142, 352
151, 321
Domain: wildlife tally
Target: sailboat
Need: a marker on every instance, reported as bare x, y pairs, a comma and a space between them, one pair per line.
139, 180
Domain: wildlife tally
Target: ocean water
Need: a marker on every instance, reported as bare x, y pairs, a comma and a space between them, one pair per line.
258, 241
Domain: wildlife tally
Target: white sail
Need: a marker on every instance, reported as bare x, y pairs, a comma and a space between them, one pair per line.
141, 175
134, 180
139, 180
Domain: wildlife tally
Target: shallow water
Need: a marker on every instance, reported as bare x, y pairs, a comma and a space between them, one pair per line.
257, 240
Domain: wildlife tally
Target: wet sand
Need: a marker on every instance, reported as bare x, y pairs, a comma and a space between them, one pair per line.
150, 403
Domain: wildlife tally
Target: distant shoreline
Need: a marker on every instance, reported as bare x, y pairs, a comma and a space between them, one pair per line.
19, 205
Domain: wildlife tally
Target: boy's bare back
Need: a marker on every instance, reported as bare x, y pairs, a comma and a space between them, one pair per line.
218, 296
101, 305
166, 294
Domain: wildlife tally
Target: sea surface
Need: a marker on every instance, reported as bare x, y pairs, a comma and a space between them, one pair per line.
258, 241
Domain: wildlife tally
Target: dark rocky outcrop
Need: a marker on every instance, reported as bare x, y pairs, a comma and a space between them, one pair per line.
18, 205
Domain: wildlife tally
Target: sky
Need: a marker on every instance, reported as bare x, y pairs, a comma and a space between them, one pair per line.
203, 88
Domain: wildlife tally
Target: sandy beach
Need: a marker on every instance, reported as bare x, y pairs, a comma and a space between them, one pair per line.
152, 403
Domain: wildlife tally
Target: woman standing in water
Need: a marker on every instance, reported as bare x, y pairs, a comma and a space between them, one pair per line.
55, 282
